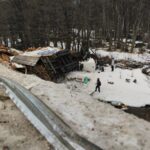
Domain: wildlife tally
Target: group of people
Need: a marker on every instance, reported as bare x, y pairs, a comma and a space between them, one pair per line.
98, 83
100, 65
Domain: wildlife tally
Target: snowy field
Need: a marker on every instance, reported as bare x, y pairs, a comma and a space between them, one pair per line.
110, 128
118, 85
115, 87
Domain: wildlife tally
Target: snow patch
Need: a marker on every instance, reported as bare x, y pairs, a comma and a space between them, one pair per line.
89, 65
143, 58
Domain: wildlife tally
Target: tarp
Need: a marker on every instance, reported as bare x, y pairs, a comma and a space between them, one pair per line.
47, 51
25, 60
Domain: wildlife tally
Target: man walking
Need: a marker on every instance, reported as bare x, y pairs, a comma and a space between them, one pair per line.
98, 84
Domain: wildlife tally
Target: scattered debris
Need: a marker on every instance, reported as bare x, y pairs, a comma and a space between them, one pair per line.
31, 49
3, 48
6, 55
4, 122
79, 79
47, 64
116, 104
5, 148
124, 64
119, 105
86, 80
109, 82
92, 93
15, 52
128, 80
2, 106
146, 70
3, 98
135, 80
139, 44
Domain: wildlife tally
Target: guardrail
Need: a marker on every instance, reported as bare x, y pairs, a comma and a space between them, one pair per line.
47, 122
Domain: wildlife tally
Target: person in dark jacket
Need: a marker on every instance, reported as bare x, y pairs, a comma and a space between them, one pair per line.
98, 84
112, 64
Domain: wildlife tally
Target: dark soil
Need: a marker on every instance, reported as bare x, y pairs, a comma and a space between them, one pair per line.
142, 112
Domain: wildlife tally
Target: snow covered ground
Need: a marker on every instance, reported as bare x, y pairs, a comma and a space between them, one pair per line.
143, 58
114, 84
116, 88
110, 128
46, 51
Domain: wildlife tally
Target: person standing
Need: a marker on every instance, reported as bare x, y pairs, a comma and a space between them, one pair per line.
112, 64
98, 84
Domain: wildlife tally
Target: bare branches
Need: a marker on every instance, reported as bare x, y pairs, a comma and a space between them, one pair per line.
73, 22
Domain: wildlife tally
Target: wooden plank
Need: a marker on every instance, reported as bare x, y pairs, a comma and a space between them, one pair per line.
26, 60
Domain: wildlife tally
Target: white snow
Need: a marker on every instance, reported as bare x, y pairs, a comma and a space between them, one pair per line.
47, 51
139, 42
109, 128
127, 40
18, 65
15, 50
89, 65
129, 93
144, 58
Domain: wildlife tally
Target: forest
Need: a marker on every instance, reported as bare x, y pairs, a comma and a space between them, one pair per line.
75, 24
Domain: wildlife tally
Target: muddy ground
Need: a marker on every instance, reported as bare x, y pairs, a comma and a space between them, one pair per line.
143, 112
16, 132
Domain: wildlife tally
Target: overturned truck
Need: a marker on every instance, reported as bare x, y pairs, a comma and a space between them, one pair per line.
47, 64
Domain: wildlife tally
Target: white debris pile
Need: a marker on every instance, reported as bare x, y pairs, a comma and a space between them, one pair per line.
100, 123
46, 51
89, 65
